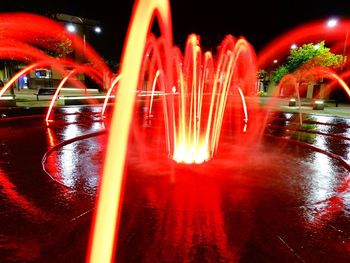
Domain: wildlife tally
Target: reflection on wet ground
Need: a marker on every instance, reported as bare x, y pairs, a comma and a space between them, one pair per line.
276, 201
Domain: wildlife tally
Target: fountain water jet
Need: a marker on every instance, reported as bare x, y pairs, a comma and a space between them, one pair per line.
235, 67
188, 115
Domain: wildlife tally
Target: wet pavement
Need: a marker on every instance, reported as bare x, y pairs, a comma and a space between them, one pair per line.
274, 201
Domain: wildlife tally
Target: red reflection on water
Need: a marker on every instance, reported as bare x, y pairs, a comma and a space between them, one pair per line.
188, 218
50, 136
19, 200
52, 164
326, 211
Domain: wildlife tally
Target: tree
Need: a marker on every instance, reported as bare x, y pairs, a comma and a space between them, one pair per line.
308, 56
59, 47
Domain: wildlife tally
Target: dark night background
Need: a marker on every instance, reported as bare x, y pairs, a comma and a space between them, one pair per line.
260, 22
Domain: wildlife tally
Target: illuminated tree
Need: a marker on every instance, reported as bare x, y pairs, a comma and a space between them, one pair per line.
308, 56
60, 47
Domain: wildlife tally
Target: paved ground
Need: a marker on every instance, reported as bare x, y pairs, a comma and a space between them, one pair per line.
330, 109
27, 98
270, 202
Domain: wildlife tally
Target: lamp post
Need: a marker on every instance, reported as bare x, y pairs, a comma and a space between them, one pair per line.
331, 23
73, 21
81, 26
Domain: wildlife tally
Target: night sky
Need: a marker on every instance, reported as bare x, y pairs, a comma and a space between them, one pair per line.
258, 21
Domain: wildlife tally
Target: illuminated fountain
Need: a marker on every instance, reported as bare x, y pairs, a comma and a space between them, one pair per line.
192, 97
203, 84
194, 88
183, 130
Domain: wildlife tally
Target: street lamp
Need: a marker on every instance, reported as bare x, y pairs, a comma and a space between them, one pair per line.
97, 29
71, 28
332, 22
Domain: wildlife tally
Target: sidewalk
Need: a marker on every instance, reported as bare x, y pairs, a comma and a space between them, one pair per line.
330, 109
27, 97
343, 110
